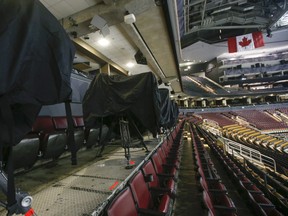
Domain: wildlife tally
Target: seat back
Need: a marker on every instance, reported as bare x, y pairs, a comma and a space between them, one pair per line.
157, 163
43, 124
208, 203
161, 155
123, 204
140, 191
148, 169
78, 121
60, 122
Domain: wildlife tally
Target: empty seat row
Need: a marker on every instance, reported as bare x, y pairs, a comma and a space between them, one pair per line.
251, 193
47, 140
152, 188
214, 192
136, 199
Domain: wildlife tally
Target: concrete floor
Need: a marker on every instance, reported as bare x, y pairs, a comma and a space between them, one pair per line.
77, 190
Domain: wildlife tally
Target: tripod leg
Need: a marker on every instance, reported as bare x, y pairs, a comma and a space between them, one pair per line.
125, 138
138, 133
106, 138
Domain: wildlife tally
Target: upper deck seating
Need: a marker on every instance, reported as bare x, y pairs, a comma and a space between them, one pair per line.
222, 120
261, 120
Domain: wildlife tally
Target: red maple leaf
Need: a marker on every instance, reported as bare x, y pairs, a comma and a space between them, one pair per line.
244, 42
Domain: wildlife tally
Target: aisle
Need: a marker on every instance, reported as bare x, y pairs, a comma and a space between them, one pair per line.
188, 195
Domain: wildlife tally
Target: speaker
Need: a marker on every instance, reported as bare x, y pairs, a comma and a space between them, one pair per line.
140, 58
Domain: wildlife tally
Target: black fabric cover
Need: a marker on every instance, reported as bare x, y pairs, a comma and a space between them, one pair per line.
36, 58
174, 114
114, 95
166, 108
169, 112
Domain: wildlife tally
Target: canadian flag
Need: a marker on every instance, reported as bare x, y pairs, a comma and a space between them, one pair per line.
245, 42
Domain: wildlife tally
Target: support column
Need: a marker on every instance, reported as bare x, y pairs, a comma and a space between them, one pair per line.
249, 101
186, 103
193, 103
203, 103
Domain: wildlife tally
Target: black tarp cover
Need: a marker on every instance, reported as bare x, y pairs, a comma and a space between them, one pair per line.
168, 109
113, 95
36, 58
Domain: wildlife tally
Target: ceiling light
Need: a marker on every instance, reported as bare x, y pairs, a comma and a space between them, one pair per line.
103, 42
130, 64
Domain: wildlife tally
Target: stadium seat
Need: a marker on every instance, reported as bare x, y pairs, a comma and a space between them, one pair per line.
144, 198
219, 205
161, 185
212, 186
25, 153
123, 204
52, 142
160, 169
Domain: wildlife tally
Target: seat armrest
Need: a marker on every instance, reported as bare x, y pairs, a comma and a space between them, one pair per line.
162, 190
150, 212
226, 208
214, 191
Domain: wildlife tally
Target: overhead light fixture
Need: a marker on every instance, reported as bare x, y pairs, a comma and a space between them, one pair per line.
130, 64
103, 42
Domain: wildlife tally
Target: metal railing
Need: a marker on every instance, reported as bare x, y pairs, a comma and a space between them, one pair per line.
249, 154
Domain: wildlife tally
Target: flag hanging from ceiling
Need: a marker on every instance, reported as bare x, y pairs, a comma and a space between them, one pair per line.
245, 42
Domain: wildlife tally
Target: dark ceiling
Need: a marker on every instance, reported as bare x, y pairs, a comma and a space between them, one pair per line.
213, 21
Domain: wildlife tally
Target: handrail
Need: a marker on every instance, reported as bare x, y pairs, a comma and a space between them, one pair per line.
250, 154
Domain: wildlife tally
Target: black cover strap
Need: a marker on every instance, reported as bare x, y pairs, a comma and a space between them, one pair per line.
70, 138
